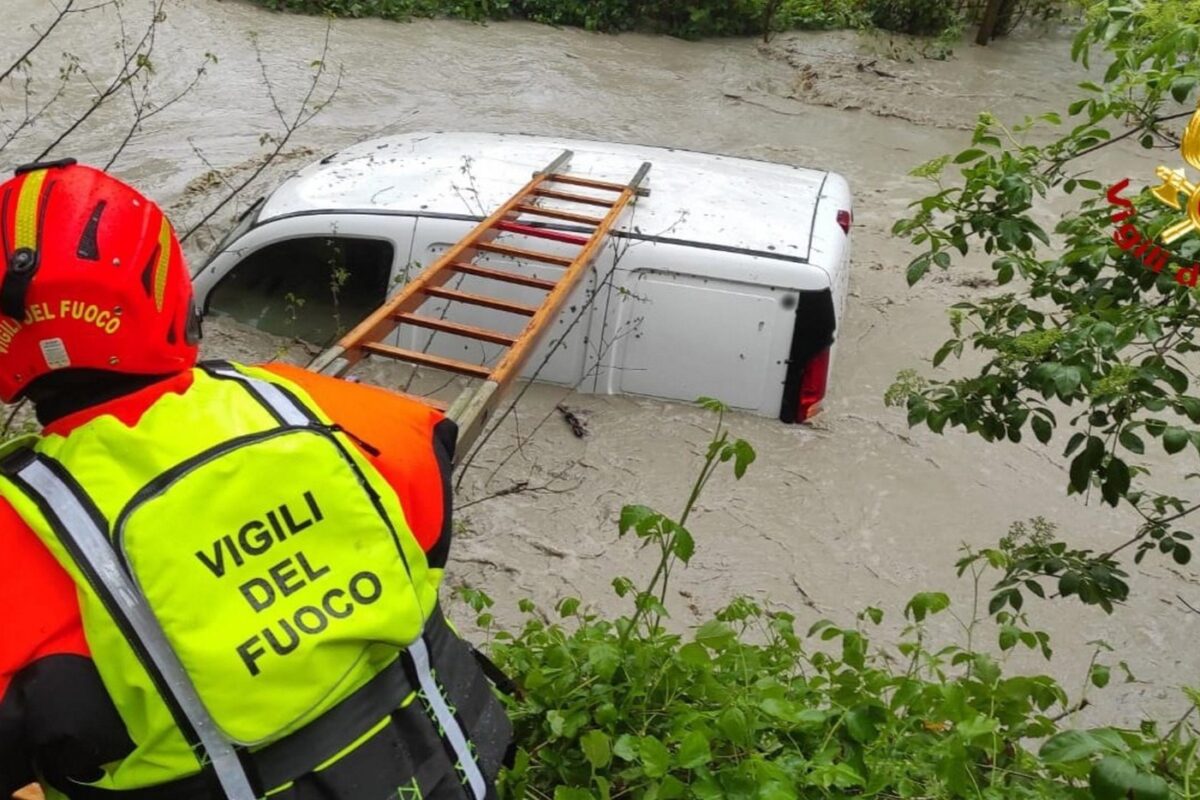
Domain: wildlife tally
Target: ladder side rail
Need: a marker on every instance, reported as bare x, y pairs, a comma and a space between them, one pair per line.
381, 322
472, 410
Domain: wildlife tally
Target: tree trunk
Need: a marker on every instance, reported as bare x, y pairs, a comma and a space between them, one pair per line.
987, 28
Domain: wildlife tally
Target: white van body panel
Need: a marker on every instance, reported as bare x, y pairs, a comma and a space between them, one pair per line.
695, 293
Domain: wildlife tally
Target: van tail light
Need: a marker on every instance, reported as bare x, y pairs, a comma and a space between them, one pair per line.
844, 220
813, 383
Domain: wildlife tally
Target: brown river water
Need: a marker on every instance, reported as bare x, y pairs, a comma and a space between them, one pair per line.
853, 510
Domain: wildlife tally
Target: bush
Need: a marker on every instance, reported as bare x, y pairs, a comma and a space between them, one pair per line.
741, 708
920, 17
689, 20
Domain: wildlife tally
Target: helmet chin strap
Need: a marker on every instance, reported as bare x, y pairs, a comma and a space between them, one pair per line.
63, 392
194, 330
22, 266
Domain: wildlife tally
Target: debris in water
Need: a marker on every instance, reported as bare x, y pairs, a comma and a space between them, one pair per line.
577, 425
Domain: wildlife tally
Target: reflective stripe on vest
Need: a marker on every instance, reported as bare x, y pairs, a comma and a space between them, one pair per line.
418, 655
420, 766
67, 506
129, 608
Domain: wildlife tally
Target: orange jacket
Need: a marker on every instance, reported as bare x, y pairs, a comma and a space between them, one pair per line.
410, 444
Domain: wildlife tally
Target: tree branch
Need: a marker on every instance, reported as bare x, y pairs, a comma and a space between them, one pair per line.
304, 115
24, 57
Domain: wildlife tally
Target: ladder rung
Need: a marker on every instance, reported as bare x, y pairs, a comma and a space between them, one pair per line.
426, 360
501, 275
554, 213
542, 233
482, 300
554, 194
575, 180
520, 252
458, 329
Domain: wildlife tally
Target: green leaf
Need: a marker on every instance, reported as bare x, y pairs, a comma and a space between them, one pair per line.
776, 791
1115, 778
641, 519
1041, 429
1132, 442
926, 603
1008, 637
712, 404
1081, 471
744, 456
976, 726
819, 626
656, 759
715, 635
603, 658
694, 751
597, 748
1116, 481
917, 268
1175, 439
860, 725
969, 155
1182, 86
626, 747
1070, 746
568, 606
986, 668
733, 724
1190, 406
694, 655
684, 545
568, 793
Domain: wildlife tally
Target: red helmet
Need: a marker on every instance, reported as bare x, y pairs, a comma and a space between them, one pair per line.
93, 277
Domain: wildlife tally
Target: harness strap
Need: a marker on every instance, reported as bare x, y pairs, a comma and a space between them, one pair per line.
299, 753
417, 658
295, 755
81, 529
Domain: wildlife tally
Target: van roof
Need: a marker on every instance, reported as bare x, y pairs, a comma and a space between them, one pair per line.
714, 200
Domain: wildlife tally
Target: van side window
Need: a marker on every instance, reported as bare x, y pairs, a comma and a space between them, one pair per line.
314, 288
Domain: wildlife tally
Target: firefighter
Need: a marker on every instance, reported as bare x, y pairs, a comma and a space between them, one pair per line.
220, 581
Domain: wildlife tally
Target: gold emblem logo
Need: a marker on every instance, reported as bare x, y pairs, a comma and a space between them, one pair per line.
1175, 183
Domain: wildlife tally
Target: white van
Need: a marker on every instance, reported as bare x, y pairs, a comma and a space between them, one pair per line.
728, 279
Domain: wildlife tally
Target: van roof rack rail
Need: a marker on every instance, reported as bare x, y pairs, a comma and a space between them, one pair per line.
475, 404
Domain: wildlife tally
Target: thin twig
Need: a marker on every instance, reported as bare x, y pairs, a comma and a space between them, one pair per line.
13, 416
1190, 607
302, 118
141, 114
1145, 126
62, 14
122, 77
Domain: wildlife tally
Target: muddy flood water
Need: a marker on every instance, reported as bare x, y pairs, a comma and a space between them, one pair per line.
851, 511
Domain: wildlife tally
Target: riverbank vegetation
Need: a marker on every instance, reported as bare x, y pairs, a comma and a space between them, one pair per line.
703, 18
755, 705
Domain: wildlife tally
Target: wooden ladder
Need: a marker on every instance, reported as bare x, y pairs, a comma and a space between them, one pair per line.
475, 403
